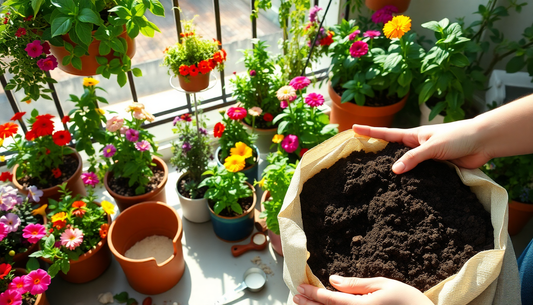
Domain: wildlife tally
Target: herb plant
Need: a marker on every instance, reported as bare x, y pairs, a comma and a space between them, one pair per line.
225, 188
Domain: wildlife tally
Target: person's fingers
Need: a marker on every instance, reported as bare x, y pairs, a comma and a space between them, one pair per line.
324, 296
412, 158
408, 137
302, 300
355, 285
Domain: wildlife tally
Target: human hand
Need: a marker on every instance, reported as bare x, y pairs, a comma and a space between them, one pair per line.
361, 291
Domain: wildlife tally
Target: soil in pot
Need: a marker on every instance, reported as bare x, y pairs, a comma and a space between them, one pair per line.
379, 100
68, 168
363, 220
120, 185
185, 193
245, 204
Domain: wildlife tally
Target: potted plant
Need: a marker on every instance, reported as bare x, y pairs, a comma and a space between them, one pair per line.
42, 158
236, 144
193, 58
302, 125
515, 174
256, 92
275, 182
135, 172
21, 286
231, 203
76, 245
371, 75
191, 155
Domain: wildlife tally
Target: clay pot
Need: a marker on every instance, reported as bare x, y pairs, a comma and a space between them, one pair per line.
519, 215
424, 116
158, 194
41, 298
264, 137
88, 62
74, 183
194, 210
90, 265
347, 114
251, 171
275, 239
234, 229
375, 5
194, 83
136, 223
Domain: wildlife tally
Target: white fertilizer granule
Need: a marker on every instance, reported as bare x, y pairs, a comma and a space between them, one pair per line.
158, 247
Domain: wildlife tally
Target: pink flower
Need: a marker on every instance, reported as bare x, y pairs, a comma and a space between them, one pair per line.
17, 284
123, 129
90, 178
3, 231
372, 34
139, 115
384, 14
34, 48
34, 232
132, 135
46, 48
37, 281
313, 12
314, 99
284, 104
109, 150
358, 49
237, 113
11, 221
20, 32
143, 145
300, 82
48, 63
114, 124
11, 297
353, 35
290, 143
72, 238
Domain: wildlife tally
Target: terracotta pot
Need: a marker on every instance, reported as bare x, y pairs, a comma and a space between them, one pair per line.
124, 202
194, 210
136, 223
519, 215
251, 172
20, 259
234, 229
88, 62
275, 239
347, 114
375, 5
264, 137
90, 265
194, 83
41, 298
74, 183
424, 116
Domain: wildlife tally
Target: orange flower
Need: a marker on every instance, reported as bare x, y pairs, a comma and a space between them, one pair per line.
79, 204
218, 57
165, 50
193, 70
17, 116
60, 224
103, 230
184, 70
204, 67
8, 130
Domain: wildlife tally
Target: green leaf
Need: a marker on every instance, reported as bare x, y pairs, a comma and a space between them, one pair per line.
49, 242
122, 78
84, 32
121, 297
436, 110
392, 61
65, 6
515, 64
427, 91
32, 264
54, 269
405, 78
101, 60
444, 23
76, 62
432, 25
459, 60
282, 127
117, 45
36, 5
147, 31
61, 25
157, 8
87, 15
137, 72
121, 11
79, 51
65, 265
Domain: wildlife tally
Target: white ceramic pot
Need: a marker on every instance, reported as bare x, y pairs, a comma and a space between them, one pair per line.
424, 116
264, 138
194, 210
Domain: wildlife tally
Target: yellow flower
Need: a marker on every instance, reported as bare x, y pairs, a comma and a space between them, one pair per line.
89, 81
40, 211
59, 216
2, 158
397, 27
108, 207
100, 111
1, 142
234, 163
242, 150
278, 138
261, 182
12, 253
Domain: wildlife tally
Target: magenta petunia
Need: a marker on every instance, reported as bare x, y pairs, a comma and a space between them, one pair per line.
109, 150
284, 104
132, 135
34, 48
384, 14
11, 297
3, 231
300, 82
313, 12
353, 35
290, 143
34, 232
358, 49
143, 145
314, 99
237, 113
37, 281
253, 73
90, 178
17, 284
372, 34
46, 48
48, 63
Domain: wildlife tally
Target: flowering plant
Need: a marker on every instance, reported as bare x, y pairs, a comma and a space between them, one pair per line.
41, 153
129, 148
194, 54
233, 139
301, 124
515, 174
225, 189
192, 151
324, 38
255, 91
76, 225
16, 289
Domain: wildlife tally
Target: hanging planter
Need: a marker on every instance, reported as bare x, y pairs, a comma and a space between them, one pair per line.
375, 5
194, 83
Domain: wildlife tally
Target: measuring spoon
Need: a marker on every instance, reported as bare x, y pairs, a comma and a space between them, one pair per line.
254, 280
257, 242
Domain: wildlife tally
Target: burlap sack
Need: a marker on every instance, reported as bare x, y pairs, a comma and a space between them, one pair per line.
490, 277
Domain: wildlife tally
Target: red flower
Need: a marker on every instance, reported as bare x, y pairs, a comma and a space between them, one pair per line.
46, 48
4, 270
326, 41
204, 67
44, 117
30, 135
224, 54
47, 151
303, 151
184, 70
218, 57
65, 119
51, 230
219, 130
60, 224
79, 204
212, 63
17, 116
215, 40
56, 172
42, 127
186, 117
6, 176
30, 17
61, 137
8, 129
237, 113
103, 230
20, 32
268, 117
193, 70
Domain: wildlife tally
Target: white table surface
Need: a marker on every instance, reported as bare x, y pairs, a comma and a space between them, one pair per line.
210, 269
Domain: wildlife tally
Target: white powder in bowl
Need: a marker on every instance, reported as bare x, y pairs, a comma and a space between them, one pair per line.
158, 247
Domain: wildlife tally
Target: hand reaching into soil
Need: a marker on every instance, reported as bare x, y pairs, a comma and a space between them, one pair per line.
361, 291
469, 143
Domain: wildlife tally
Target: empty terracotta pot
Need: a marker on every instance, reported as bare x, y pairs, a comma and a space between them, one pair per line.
194, 83
136, 223
519, 215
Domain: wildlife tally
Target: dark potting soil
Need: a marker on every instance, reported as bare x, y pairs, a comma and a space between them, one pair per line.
379, 100
68, 168
363, 220
245, 204
185, 193
120, 185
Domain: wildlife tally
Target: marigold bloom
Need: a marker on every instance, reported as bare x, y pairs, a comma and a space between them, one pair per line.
90, 178
285, 93
17, 116
314, 99
218, 130
34, 232
79, 204
71, 238
47, 64
103, 230
114, 124
8, 129
218, 57
184, 70
277, 138
268, 117
234, 163
193, 70
37, 281
59, 216
42, 127
242, 150
397, 27
61, 137
236, 113
300, 82
290, 143
255, 111
40, 210
89, 81
108, 207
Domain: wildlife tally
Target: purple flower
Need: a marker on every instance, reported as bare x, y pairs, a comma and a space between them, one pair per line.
372, 34
34, 48
353, 35
48, 63
132, 135
11, 221
143, 145
290, 143
384, 14
283, 104
358, 49
314, 99
90, 178
186, 147
109, 150
300, 82
9, 198
252, 73
313, 13
203, 131
176, 120
34, 194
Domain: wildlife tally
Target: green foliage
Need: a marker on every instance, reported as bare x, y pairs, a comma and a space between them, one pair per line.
123, 297
276, 179
225, 189
515, 174
234, 131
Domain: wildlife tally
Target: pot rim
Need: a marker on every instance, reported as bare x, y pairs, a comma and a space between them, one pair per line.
180, 195
354, 107
245, 213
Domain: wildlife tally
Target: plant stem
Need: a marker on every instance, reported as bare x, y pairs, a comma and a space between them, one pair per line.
497, 58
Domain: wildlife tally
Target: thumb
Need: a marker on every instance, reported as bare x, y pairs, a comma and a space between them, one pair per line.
411, 159
355, 285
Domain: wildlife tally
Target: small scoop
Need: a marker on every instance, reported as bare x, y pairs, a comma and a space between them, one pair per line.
257, 242
254, 280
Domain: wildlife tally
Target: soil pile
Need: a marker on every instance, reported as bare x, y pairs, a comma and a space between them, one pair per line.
363, 220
